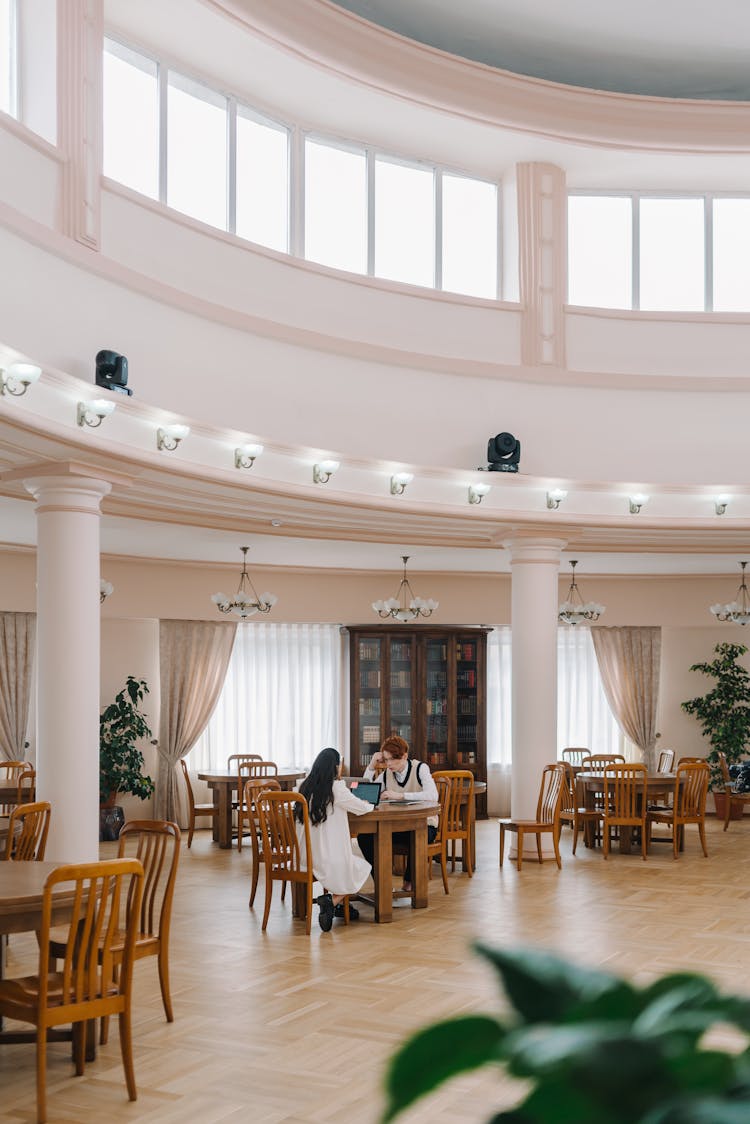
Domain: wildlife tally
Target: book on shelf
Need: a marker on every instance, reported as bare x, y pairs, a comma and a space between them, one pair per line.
400, 679
369, 650
466, 652
370, 735
401, 707
369, 678
369, 706
400, 650
467, 705
466, 678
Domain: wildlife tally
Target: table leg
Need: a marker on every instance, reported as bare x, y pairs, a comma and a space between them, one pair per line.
418, 847
383, 874
223, 818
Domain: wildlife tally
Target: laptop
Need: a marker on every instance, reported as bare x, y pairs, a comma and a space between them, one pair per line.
367, 790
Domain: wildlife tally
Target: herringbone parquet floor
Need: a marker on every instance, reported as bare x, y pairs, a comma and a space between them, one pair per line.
279, 1028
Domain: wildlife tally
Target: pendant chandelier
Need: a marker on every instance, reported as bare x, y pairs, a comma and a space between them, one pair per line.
737, 611
574, 610
398, 608
246, 602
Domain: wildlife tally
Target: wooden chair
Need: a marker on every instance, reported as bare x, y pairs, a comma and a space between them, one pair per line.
575, 755
625, 803
665, 763
280, 846
729, 790
233, 761
688, 805
195, 810
253, 788
10, 771
85, 987
439, 846
570, 810
598, 762
689, 760
156, 845
26, 791
27, 832
547, 816
459, 825
249, 768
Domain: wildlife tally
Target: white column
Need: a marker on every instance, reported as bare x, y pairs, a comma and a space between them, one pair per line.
68, 517
535, 564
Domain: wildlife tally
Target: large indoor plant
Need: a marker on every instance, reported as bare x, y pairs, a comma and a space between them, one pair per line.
121, 725
724, 712
592, 1048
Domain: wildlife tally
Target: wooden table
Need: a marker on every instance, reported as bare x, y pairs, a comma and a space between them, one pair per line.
224, 788
587, 786
21, 890
382, 822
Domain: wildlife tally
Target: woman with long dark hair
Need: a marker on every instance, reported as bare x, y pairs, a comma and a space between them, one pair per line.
338, 863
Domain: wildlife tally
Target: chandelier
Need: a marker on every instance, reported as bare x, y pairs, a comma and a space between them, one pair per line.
246, 602
397, 606
574, 610
737, 611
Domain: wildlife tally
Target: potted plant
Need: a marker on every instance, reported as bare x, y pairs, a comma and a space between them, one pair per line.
724, 713
590, 1047
121, 725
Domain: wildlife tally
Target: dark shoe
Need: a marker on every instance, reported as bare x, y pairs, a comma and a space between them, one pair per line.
339, 912
325, 917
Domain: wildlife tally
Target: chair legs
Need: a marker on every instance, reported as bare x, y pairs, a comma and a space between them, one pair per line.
191, 831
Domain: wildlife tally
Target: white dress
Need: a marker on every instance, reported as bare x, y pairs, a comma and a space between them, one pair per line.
338, 863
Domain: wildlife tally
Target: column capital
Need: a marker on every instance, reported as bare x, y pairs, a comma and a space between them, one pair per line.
534, 548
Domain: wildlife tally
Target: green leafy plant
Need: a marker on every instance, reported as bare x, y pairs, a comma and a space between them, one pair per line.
594, 1048
724, 713
121, 725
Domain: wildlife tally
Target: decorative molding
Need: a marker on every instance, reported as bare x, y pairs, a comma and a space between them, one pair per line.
80, 44
542, 263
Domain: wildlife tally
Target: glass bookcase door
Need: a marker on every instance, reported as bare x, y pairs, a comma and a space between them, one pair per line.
436, 703
467, 684
401, 687
369, 664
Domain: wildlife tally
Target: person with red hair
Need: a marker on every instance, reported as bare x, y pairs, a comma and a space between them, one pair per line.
400, 776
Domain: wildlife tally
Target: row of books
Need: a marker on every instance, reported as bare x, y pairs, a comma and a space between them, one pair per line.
437, 652
371, 734
370, 706
466, 651
400, 650
467, 705
436, 679
400, 679
437, 706
401, 706
369, 650
467, 678
466, 731
369, 678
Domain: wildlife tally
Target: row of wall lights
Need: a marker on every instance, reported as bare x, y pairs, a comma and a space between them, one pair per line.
18, 377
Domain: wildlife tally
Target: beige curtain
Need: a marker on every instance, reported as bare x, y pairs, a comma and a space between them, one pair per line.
17, 644
193, 660
629, 662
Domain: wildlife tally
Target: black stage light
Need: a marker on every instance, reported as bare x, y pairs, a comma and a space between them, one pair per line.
112, 371
503, 453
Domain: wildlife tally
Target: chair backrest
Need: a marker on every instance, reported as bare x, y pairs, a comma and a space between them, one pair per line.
691, 789
86, 973
666, 761
460, 794
261, 768
10, 771
568, 802
27, 832
626, 790
156, 845
575, 755
689, 760
550, 793
235, 758
256, 785
188, 786
26, 788
598, 762
278, 828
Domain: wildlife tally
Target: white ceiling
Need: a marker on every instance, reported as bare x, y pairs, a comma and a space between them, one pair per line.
671, 48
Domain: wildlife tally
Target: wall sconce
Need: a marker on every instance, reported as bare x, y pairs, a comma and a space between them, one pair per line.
18, 377
636, 502
720, 504
399, 480
555, 496
105, 589
168, 437
94, 412
477, 492
324, 470
244, 455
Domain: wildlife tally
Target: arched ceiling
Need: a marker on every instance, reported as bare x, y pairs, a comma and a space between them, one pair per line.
673, 48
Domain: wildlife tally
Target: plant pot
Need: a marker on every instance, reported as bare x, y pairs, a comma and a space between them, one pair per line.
111, 820
736, 812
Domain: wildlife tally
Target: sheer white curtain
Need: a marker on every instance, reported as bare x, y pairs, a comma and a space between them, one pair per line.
281, 697
583, 714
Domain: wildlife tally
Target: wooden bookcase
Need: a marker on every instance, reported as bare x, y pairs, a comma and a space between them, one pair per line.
426, 684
